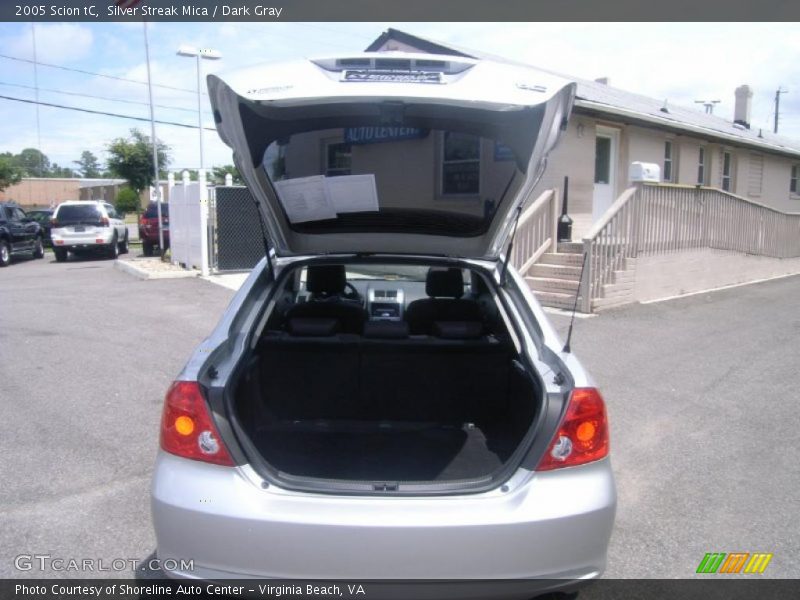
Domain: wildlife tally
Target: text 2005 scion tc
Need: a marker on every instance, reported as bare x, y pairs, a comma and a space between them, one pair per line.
384, 398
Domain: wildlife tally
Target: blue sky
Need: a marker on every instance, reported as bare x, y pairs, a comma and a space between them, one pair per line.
680, 62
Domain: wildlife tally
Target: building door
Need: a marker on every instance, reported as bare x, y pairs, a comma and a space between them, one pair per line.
605, 171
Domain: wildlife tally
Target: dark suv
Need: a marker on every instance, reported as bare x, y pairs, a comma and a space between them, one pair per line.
19, 234
148, 227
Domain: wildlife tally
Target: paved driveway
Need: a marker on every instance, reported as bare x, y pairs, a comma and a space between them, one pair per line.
702, 393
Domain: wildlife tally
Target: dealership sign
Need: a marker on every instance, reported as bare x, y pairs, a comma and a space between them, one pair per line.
374, 135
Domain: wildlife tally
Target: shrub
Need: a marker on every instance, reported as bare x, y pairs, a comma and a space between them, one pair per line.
127, 201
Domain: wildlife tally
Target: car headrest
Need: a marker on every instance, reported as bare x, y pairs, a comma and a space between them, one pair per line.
386, 330
326, 279
458, 330
444, 283
313, 327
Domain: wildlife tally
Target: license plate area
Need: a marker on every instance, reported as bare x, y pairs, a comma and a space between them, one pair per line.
78, 228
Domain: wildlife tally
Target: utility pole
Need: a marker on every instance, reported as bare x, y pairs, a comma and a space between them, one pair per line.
155, 145
778, 93
36, 96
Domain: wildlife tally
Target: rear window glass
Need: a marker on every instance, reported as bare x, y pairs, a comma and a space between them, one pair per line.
152, 211
391, 179
78, 212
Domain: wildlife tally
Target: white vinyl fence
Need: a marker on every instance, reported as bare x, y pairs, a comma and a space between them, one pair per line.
188, 223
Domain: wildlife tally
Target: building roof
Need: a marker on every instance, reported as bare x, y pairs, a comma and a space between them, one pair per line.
593, 96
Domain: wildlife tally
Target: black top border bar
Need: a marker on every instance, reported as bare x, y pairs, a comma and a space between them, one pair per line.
399, 10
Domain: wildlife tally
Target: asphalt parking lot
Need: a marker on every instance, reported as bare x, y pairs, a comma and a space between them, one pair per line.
702, 395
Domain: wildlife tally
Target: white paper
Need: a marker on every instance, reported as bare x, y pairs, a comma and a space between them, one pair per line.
306, 199
353, 193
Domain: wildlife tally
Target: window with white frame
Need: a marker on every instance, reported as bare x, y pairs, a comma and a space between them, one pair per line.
701, 166
727, 169
793, 179
461, 164
668, 161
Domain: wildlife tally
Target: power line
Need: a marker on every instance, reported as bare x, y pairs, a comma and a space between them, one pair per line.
95, 97
114, 77
100, 112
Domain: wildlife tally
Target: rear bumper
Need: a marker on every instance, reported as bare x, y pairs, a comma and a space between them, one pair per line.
76, 241
553, 525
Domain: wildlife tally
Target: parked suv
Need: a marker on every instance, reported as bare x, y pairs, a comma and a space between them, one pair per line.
384, 398
88, 226
19, 234
148, 227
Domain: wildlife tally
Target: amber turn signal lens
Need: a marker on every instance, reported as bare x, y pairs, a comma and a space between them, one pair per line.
184, 425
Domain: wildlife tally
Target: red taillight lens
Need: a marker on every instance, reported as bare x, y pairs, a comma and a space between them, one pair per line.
104, 222
583, 434
186, 426
53, 222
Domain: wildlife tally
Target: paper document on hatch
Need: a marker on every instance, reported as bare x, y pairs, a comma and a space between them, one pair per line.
353, 193
306, 199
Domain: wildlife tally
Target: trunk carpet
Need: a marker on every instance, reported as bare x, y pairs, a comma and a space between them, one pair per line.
380, 452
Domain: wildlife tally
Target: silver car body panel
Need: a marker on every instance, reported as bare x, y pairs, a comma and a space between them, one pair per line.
552, 525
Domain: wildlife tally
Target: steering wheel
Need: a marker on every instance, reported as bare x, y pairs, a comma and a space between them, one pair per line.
351, 293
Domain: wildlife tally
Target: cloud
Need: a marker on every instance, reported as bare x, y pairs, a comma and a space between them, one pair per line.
58, 42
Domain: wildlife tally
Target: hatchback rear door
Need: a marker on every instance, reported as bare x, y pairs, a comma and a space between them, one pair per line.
399, 154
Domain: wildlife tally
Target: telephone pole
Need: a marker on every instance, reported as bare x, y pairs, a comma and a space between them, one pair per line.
778, 93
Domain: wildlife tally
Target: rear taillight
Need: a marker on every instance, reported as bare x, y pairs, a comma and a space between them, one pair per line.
104, 221
582, 436
53, 222
186, 426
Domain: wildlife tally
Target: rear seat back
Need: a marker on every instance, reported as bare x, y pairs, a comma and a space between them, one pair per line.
386, 375
311, 377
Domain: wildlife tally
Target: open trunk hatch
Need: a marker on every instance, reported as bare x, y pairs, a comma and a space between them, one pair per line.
390, 154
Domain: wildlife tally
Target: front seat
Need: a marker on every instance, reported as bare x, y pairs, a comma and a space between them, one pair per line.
445, 288
326, 284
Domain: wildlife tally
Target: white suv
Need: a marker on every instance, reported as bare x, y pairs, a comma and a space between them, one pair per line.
87, 225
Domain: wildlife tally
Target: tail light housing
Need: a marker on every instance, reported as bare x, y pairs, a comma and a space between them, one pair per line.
187, 429
104, 221
582, 436
53, 222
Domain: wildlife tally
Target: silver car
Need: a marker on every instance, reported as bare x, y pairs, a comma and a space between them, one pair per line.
384, 397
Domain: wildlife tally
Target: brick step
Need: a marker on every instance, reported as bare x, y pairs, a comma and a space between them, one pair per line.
547, 284
567, 259
555, 272
555, 300
570, 247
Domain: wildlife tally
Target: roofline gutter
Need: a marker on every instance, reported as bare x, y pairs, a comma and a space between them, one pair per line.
589, 107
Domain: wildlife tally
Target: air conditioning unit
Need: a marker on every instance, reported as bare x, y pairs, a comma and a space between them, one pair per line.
646, 172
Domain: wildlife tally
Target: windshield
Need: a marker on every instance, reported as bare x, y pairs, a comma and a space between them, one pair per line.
391, 179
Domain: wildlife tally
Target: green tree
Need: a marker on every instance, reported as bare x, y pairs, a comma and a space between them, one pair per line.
33, 162
127, 201
132, 159
218, 175
88, 165
10, 173
58, 171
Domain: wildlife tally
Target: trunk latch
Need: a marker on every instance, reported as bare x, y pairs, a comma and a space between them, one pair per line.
385, 487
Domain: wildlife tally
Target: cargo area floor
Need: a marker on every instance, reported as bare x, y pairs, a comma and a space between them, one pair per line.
377, 451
